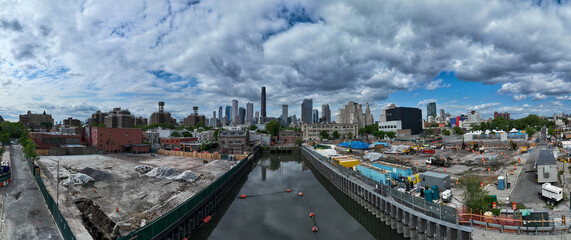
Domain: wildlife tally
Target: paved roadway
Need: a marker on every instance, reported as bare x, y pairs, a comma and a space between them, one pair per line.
24, 211
527, 188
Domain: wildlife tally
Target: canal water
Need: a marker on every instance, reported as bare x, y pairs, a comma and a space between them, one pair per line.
269, 212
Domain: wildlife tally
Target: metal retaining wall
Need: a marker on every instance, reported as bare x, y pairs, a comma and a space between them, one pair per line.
428, 218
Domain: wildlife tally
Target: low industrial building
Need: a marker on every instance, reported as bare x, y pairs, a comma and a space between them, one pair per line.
174, 143
427, 179
114, 140
312, 131
546, 167
234, 142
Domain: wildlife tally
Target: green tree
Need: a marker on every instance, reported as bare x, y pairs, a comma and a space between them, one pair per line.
458, 130
175, 134
369, 129
391, 135
445, 132
336, 135
273, 127
500, 123
349, 135
550, 131
429, 131
101, 125
216, 132
298, 141
379, 134
324, 135
530, 131
30, 150
4, 138
186, 134
434, 125
475, 197
252, 127
15, 130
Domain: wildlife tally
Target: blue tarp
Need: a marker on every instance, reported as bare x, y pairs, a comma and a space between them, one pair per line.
382, 143
355, 145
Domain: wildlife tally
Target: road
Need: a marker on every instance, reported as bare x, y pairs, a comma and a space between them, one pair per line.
24, 211
527, 188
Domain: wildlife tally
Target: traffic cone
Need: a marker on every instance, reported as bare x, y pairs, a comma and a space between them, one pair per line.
117, 209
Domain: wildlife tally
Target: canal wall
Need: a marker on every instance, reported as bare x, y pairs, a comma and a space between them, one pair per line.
429, 219
185, 219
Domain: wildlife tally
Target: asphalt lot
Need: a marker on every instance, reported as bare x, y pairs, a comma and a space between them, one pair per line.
527, 188
25, 214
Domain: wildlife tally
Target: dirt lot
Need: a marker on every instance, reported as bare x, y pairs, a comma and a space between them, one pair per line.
126, 197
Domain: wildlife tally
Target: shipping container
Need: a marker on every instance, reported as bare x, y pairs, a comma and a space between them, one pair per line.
349, 163
378, 175
428, 179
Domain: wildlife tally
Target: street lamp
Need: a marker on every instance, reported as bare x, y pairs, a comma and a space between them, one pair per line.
57, 182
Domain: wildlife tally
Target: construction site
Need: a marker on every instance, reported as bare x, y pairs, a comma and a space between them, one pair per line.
108, 196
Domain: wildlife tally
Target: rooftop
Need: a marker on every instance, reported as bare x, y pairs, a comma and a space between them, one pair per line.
546, 158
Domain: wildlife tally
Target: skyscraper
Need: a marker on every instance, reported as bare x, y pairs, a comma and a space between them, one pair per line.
325, 113
431, 110
235, 112
306, 108
220, 114
315, 116
242, 113
257, 117
263, 106
249, 113
228, 114
442, 113
284, 113
353, 113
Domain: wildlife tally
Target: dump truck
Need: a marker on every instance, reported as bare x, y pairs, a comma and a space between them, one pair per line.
552, 194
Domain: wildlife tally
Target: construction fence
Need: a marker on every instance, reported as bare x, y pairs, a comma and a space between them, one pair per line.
515, 222
52, 205
205, 155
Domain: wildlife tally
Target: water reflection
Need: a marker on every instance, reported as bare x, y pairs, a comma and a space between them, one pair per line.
284, 215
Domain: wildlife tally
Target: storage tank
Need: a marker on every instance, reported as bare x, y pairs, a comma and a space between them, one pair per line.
435, 193
428, 195
501, 183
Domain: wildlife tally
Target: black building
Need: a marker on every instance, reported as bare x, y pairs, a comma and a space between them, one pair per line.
411, 118
263, 106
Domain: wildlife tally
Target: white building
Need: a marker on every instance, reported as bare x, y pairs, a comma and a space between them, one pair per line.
390, 126
312, 131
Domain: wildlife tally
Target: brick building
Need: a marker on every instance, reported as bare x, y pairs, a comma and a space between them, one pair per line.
193, 119
33, 121
233, 142
119, 118
71, 122
175, 142
312, 131
115, 140
161, 116
505, 115
45, 140
286, 138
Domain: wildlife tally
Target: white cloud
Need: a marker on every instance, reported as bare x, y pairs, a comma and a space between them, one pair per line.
425, 102
437, 84
484, 106
208, 53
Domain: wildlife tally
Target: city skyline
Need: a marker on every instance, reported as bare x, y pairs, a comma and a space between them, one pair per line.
68, 59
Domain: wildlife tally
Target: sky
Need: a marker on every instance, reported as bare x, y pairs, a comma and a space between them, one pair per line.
72, 58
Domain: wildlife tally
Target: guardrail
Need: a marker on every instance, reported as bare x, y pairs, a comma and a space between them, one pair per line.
52, 205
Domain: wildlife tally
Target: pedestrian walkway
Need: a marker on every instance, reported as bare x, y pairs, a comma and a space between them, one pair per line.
503, 195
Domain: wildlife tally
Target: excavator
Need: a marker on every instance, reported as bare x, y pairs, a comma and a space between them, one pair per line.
513, 145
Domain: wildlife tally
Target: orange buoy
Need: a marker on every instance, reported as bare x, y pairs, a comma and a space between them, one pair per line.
314, 229
300, 194
243, 196
207, 219
288, 190
311, 215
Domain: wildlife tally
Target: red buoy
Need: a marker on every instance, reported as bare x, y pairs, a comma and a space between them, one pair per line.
300, 194
207, 219
311, 215
288, 190
314, 229
243, 196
